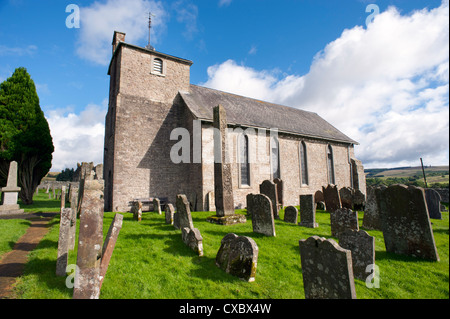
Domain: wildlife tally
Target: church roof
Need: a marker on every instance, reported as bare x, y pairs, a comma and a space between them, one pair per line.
255, 113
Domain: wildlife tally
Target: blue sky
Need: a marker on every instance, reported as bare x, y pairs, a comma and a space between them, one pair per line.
384, 84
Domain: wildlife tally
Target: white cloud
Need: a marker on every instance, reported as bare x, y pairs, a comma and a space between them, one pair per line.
101, 19
224, 3
77, 137
187, 13
385, 86
28, 50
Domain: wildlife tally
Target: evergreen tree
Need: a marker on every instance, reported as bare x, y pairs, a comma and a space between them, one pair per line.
24, 134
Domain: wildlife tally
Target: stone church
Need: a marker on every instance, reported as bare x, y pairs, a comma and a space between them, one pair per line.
153, 108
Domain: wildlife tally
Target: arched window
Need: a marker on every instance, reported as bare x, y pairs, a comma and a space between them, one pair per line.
244, 160
157, 66
275, 157
303, 164
330, 164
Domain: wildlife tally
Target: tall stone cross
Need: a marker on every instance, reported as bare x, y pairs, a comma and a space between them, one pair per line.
223, 185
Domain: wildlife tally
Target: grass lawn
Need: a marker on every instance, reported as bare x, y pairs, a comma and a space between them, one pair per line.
151, 261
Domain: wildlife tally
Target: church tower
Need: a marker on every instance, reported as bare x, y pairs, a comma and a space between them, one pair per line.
143, 110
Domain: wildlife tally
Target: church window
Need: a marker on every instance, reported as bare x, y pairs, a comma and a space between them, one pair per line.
330, 164
244, 160
303, 164
275, 157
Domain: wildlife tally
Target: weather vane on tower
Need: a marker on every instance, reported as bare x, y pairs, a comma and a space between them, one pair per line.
149, 46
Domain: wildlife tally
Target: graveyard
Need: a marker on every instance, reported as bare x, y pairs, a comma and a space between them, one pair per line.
151, 261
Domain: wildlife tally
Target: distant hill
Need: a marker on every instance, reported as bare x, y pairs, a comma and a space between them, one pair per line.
433, 174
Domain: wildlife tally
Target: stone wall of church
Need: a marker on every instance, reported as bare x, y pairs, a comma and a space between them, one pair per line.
260, 166
143, 111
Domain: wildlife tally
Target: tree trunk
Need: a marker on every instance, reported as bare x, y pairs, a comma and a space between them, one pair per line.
27, 179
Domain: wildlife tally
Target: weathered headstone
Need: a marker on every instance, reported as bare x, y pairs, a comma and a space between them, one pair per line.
184, 212
157, 206
63, 241
90, 241
223, 185
291, 214
433, 200
249, 199
262, 215
109, 244
342, 219
372, 217
326, 269
359, 200
405, 222
346, 196
73, 196
269, 189
176, 220
10, 192
362, 246
136, 210
238, 256
193, 239
279, 185
318, 197
331, 196
308, 211
169, 214
63, 197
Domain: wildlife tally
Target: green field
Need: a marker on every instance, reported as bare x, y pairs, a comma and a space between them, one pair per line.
150, 261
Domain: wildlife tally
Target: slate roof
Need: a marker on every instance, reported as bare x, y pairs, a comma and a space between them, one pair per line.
255, 113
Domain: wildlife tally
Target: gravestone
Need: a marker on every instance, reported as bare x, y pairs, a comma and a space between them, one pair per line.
318, 197
193, 239
433, 200
331, 196
157, 206
405, 222
269, 189
63, 197
291, 214
63, 241
249, 200
238, 256
326, 269
362, 246
372, 217
90, 241
262, 216
279, 186
183, 212
10, 192
308, 212
346, 195
169, 214
73, 197
342, 219
136, 210
109, 244
359, 200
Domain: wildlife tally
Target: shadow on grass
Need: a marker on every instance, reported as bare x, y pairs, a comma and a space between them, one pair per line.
382, 255
44, 269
